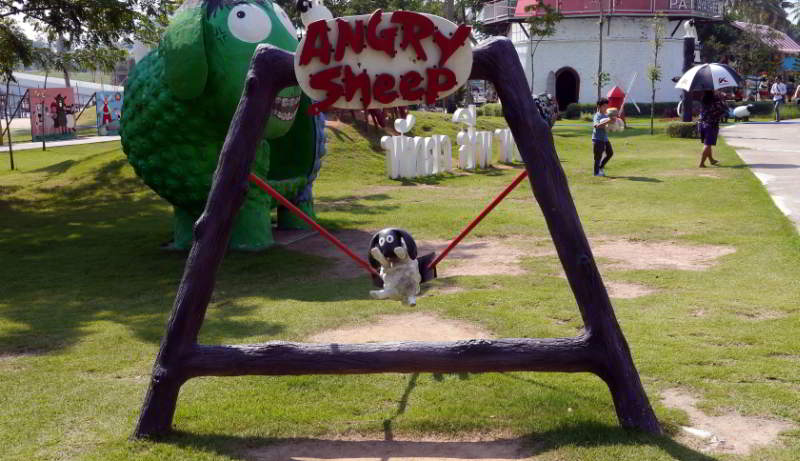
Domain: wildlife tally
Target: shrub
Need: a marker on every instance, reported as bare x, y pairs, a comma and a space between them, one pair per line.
683, 130
573, 112
493, 109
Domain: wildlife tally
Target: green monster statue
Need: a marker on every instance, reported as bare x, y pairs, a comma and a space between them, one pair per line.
180, 99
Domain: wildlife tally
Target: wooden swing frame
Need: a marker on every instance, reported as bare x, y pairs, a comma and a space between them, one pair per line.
601, 349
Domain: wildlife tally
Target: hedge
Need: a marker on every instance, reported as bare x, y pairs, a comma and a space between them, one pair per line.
663, 109
683, 130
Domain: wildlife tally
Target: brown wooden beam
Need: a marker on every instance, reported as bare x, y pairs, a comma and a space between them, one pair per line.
472, 356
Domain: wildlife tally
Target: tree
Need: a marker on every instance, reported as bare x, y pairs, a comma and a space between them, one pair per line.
770, 12
15, 50
654, 70
541, 24
602, 78
86, 26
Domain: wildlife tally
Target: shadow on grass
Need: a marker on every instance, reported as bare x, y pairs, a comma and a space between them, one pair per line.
340, 135
350, 204
580, 435
80, 252
636, 178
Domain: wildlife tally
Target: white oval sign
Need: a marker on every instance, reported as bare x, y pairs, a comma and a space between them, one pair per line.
382, 60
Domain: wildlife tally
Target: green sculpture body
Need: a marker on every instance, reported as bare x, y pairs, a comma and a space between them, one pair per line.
180, 99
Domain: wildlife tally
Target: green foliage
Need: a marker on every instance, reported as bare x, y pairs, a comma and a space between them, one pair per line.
91, 23
90, 31
15, 49
683, 130
654, 70
654, 73
574, 110
601, 80
493, 109
543, 21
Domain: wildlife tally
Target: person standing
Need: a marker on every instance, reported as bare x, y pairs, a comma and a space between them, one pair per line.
600, 141
712, 111
778, 92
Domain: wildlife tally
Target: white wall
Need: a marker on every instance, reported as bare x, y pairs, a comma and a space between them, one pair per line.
626, 49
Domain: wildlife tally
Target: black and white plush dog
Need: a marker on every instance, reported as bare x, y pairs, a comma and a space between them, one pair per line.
393, 253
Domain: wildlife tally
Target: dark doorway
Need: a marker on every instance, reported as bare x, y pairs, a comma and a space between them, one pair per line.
568, 86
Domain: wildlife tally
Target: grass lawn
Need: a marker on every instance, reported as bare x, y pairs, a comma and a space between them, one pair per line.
85, 293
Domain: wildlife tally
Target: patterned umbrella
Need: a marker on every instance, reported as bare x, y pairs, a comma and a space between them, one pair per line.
709, 77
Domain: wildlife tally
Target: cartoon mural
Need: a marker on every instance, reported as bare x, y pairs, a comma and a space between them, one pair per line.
109, 112
52, 113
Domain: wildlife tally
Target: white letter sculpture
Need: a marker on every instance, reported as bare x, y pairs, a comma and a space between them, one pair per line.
408, 157
510, 152
476, 146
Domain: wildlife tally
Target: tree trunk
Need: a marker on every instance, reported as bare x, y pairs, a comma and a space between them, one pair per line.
600, 58
8, 126
533, 51
653, 110
44, 142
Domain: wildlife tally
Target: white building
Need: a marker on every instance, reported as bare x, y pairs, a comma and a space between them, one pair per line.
566, 63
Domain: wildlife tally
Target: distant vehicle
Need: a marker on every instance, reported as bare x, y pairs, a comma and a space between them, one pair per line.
547, 107
478, 98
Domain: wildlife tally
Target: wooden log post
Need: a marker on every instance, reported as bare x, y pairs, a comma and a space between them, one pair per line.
271, 70
601, 350
497, 62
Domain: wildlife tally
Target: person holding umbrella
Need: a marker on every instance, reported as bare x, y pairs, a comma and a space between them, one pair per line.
709, 78
713, 110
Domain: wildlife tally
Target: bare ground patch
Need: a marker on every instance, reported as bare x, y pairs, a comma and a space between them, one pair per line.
640, 255
479, 257
760, 315
503, 256
356, 240
404, 327
699, 172
470, 257
727, 433
395, 450
624, 290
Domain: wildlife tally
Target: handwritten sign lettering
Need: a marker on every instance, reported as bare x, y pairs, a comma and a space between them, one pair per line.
382, 60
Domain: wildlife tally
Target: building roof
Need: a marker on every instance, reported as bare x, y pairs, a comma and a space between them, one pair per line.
510, 10
770, 36
37, 81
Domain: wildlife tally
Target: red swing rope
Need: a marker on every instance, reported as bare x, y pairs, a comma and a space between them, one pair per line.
479, 218
321, 230
300, 214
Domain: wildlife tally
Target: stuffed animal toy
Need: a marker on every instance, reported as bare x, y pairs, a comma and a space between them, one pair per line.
393, 253
617, 124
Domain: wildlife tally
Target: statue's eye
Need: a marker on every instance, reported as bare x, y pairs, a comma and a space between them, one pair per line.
389, 239
285, 20
249, 23
381, 241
